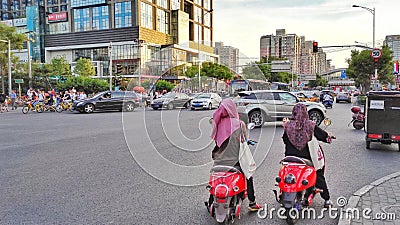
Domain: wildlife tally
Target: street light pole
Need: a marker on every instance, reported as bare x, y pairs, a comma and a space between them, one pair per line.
9, 64
110, 64
372, 11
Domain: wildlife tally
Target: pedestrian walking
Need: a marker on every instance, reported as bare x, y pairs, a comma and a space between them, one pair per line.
13, 96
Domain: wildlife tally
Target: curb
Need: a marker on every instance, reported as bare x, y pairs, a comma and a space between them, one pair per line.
355, 198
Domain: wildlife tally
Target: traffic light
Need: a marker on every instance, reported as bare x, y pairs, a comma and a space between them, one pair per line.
315, 47
119, 69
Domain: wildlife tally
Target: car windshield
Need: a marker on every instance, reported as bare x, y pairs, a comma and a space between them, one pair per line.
204, 96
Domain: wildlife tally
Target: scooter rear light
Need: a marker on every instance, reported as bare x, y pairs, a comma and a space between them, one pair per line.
396, 137
236, 189
221, 192
375, 136
290, 179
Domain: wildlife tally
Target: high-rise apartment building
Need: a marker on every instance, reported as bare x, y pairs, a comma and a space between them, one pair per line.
296, 49
135, 29
228, 56
393, 42
282, 45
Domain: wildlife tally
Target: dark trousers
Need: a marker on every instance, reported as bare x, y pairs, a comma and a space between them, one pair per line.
321, 184
13, 103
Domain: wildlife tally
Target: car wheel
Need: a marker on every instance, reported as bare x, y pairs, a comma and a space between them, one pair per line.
155, 108
315, 116
191, 108
170, 106
257, 118
89, 108
129, 107
210, 106
337, 101
368, 144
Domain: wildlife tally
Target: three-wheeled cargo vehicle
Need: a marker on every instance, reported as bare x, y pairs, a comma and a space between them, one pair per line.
382, 115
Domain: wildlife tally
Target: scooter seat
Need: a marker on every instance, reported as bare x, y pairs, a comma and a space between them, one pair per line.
298, 160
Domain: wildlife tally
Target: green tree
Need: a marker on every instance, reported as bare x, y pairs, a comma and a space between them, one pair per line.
60, 67
84, 67
16, 42
362, 66
80, 83
192, 71
146, 84
320, 81
164, 85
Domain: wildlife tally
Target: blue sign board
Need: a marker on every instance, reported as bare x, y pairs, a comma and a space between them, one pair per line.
343, 76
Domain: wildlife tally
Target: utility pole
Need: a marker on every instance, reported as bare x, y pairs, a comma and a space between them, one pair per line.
110, 64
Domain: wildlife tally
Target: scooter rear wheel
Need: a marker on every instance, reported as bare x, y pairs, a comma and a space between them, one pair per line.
289, 219
358, 125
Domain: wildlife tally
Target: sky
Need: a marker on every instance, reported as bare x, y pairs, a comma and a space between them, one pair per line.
241, 23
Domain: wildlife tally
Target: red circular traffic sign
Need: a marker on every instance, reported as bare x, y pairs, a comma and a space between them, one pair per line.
376, 53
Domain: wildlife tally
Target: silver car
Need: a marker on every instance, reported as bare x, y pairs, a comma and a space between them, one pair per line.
205, 101
271, 105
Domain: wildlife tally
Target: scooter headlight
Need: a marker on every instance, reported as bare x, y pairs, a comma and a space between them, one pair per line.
208, 187
304, 182
278, 179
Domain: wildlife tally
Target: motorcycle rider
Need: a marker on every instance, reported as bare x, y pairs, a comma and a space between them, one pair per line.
298, 131
227, 130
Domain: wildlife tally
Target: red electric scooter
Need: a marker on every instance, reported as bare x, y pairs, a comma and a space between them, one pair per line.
357, 118
296, 181
228, 187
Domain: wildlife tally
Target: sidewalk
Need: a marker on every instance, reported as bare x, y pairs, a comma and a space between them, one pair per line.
380, 202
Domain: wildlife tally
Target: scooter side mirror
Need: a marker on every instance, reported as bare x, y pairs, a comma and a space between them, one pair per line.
251, 126
210, 121
327, 122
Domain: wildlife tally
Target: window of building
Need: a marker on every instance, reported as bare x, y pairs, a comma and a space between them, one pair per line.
100, 18
64, 8
81, 19
198, 2
207, 4
197, 14
207, 36
59, 28
63, 1
163, 3
80, 3
146, 15
207, 20
123, 14
163, 21
175, 4
55, 9
188, 8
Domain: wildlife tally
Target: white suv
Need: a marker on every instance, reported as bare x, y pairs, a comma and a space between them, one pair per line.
271, 105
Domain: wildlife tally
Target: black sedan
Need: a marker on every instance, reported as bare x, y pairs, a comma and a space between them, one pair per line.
108, 100
170, 101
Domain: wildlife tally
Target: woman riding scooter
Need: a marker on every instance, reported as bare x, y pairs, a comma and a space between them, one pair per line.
227, 130
298, 131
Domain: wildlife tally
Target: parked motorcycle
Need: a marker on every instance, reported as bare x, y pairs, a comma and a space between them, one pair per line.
327, 103
296, 181
357, 118
228, 187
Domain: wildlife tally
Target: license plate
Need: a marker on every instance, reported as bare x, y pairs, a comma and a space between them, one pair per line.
196, 104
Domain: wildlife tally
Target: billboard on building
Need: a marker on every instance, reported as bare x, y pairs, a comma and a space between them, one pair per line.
19, 22
80, 3
56, 17
32, 25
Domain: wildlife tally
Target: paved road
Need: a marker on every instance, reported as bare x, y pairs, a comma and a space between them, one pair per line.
140, 167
